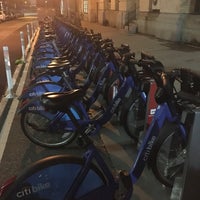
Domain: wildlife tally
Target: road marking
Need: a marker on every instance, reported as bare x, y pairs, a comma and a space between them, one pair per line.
9, 119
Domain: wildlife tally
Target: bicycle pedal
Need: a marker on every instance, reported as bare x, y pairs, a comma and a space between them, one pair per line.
126, 179
98, 114
125, 185
98, 108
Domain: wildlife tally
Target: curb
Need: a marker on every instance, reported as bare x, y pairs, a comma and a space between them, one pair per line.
8, 106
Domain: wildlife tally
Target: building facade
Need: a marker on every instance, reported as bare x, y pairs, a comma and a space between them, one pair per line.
176, 20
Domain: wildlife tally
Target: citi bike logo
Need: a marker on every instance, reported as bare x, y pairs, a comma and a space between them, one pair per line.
101, 82
152, 111
115, 105
34, 94
40, 66
148, 149
36, 108
33, 189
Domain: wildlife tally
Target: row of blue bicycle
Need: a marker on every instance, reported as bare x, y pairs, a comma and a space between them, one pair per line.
73, 70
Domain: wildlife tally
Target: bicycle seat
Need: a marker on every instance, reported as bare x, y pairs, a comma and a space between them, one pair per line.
60, 58
49, 37
59, 66
61, 100
57, 62
152, 66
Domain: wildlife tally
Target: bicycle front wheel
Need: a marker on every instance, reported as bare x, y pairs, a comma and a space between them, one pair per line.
60, 177
37, 128
169, 156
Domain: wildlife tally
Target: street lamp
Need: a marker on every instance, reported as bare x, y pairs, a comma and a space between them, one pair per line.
46, 2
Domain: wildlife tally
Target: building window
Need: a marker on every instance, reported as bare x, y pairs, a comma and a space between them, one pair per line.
197, 7
108, 4
85, 6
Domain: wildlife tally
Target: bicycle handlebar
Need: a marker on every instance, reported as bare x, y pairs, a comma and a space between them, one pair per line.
164, 80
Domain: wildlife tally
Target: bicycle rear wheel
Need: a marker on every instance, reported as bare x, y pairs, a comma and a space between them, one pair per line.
37, 128
169, 153
53, 177
132, 116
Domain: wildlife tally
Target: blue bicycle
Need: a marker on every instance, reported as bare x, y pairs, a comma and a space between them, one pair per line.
62, 76
53, 129
57, 50
86, 178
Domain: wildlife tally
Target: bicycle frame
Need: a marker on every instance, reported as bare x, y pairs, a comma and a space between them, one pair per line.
127, 86
90, 156
162, 114
48, 86
45, 82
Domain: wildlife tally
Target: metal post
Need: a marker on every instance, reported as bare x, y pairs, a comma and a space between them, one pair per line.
28, 34
32, 30
8, 72
23, 46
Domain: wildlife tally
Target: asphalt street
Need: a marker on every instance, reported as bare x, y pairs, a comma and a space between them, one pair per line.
10, 37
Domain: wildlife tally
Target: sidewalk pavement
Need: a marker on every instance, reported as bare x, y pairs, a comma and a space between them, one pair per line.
171, 54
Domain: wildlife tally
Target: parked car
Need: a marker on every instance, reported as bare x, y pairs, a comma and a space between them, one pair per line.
2, 16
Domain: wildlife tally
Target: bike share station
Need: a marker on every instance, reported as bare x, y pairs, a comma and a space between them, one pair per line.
187, 186
40, 180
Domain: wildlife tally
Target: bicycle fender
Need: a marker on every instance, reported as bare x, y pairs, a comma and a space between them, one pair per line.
40, 88
33, 105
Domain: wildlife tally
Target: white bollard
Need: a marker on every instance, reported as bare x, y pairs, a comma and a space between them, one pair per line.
33, 28
28, 35
32, 31
8, 72
23, 46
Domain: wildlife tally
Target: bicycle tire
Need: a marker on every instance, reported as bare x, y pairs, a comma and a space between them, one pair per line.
50, 178
35, 128
167, 163
132, 116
